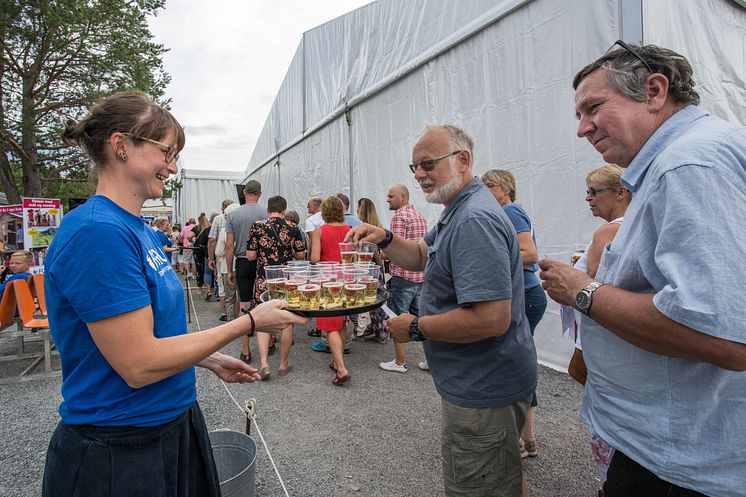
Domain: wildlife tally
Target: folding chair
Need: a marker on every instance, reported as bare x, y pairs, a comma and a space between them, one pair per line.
8, 307
26, 309
38, 291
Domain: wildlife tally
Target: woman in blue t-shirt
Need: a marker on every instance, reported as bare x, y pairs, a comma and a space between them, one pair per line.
130, 421
501, 184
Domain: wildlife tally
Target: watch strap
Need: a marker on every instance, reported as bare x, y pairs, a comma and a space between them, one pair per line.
389, 236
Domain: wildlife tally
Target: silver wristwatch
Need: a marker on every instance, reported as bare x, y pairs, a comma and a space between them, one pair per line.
584, 298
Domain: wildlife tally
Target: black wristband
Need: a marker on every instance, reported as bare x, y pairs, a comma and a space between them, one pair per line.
386, 240
253, 323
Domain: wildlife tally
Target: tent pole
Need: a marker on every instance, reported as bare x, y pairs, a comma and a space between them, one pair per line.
631, 27
348, 118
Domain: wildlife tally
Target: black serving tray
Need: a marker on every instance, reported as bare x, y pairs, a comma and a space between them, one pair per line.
382, 296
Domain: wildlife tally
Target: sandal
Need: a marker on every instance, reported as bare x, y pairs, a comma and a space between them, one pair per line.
245, 358
331, 366
283, 372
264, 374
341, 380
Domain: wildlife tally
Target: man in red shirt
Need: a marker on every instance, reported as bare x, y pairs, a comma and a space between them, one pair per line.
404, 285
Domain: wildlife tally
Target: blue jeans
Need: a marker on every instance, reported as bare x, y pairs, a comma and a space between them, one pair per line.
535, 305
405, 296
208, 273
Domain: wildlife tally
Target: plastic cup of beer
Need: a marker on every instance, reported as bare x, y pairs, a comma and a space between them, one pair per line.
275, 280
365, 251
348, 252
351, 274
293, 280
320, 280
309, 296
332, 295
354, 293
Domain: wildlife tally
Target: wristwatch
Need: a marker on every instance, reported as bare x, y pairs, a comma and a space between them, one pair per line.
584, 298
414, 330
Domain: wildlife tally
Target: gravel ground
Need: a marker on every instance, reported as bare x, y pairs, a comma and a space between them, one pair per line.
377, 436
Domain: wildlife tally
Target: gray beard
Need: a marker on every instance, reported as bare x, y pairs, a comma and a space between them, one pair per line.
443, 193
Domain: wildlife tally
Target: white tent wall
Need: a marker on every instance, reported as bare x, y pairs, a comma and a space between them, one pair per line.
712, 35
500, 69
511, 90
203, 191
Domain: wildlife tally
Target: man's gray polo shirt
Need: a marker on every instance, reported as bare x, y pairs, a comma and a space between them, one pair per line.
473, 256
239, 223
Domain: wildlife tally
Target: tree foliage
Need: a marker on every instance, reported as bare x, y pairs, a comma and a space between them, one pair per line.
57, 57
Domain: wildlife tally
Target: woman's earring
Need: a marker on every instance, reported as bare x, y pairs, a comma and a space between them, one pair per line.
123, 156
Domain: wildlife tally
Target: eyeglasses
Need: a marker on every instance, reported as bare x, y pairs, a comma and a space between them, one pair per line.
634, 54
592, 192
429, 165
171, 152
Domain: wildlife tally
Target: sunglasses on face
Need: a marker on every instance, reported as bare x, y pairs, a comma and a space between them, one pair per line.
170, 152
429, 165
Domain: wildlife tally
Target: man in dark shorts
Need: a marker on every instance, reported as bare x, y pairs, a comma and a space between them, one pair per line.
243, 272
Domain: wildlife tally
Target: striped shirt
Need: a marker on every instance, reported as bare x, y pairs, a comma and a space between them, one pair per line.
410, 225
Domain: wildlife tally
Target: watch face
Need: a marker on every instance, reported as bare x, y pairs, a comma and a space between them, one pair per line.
582, 300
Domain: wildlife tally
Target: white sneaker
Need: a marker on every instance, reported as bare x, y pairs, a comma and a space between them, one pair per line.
423, 366
393, 366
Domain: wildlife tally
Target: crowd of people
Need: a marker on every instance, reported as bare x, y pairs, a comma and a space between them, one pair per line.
654, 313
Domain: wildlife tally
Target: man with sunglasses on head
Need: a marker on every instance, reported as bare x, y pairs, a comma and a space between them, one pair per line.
472, 325
664, 331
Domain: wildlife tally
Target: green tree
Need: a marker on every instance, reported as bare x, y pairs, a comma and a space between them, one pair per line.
57, 58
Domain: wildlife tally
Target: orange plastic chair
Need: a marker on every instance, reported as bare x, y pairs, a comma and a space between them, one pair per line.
38, 282
8, 307
26, 306
26, 309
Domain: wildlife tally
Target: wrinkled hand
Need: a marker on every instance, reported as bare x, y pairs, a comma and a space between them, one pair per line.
230, 369
271, 317
561, 281
399, 327
366, 233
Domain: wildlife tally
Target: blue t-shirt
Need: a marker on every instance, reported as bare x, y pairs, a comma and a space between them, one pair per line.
13, 276
522, 223
165, 241
104, 262
473, 256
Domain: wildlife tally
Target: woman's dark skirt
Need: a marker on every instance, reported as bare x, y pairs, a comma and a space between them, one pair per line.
171, 460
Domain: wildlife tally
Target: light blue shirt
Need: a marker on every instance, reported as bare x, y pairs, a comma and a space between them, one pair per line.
683, 239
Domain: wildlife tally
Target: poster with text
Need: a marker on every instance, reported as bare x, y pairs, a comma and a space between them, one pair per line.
11, 227
41, 219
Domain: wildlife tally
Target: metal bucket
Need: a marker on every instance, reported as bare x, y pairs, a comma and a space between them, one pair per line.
235, 458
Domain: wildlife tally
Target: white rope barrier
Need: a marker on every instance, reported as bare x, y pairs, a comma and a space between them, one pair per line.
249, 410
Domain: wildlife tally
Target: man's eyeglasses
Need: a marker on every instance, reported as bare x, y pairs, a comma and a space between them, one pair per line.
634, 54
170, 152
592, 192
429, 165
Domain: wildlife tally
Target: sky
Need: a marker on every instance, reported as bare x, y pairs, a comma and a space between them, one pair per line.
227, 60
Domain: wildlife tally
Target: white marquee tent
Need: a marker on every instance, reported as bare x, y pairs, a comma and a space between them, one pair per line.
360, 88
203, 191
